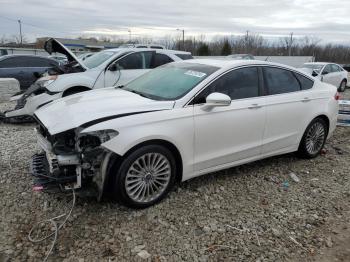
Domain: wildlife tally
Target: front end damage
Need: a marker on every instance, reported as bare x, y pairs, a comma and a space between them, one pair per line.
71, 160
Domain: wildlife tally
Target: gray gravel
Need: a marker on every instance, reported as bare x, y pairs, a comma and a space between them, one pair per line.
255, 212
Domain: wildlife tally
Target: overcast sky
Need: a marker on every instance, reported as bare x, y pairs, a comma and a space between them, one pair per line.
328, 20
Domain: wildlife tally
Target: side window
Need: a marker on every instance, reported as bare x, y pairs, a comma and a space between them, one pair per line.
335, 68
139, 60
161, 59
237, 84
40, 62
305, 82
279, 81
13, 62
327, 70
132, 61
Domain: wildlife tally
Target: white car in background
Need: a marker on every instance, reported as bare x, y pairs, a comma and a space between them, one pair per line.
329, 73
104, 69
179, 121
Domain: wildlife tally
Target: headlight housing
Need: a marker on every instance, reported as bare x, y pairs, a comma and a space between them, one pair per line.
96, 138
46, 81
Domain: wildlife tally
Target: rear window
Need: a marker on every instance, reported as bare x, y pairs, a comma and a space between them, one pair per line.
280, 81
161, 59
305, 82
184, 56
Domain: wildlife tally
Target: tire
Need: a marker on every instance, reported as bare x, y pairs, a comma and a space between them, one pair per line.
313, 139
131, 181
342, 86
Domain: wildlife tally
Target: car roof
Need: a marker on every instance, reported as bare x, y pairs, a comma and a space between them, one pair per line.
317, 63
163, 51
20, 55
223, 63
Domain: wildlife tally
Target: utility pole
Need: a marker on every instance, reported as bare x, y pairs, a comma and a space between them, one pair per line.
183, 38
290, 44
20, 31
129, 30
246, 40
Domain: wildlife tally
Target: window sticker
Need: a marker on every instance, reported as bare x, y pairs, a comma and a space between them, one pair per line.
195, 73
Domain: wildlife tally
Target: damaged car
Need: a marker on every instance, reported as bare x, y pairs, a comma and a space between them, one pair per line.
104, 69
179, 121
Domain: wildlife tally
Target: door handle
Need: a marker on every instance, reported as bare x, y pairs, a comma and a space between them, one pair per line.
306, 99
254, 106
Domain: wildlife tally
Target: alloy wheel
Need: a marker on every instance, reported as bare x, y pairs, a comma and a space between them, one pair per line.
315, 138
148, 177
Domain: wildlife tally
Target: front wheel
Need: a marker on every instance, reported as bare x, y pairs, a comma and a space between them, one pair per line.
313, 139
145, 176
342, 86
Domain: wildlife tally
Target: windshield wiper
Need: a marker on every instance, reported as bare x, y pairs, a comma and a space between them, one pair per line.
120, 86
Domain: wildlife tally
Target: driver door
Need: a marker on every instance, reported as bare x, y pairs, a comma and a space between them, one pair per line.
128, 68
227, 134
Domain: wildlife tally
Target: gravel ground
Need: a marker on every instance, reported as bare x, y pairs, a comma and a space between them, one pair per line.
255, 212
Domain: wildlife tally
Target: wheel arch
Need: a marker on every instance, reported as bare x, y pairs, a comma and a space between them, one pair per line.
116, 159
170, 146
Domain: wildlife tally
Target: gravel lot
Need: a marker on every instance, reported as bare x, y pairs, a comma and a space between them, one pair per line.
255, 212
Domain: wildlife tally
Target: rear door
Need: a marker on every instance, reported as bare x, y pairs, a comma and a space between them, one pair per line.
230, 133
13, 67
289, 103
128, 68
35, 66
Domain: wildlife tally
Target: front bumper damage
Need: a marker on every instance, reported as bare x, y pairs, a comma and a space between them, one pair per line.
27, 103
82, 171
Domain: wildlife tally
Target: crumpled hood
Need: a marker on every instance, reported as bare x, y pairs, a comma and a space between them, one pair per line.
101, 104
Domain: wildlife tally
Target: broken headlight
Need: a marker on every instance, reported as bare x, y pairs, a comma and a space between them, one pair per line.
96, 138
46, 81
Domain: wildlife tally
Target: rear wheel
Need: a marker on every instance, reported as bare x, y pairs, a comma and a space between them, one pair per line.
313, 139
342, 86
145, 176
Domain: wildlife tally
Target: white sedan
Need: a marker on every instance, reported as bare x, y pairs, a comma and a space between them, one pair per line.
329, 73
104, 69
179, 121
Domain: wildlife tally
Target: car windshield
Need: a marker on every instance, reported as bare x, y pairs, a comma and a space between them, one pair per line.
171, 81
97, 59
315, 67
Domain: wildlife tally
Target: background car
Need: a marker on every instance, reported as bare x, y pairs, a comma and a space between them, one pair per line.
241, 57
25, 68
329, 73
59, 58
182, 120
104, 69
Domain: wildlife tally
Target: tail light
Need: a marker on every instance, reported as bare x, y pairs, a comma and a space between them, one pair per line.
337, 96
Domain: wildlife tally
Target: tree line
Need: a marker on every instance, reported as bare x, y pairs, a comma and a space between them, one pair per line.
254, 44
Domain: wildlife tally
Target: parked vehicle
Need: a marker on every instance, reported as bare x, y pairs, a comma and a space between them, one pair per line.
25, 68
179, 121
153, 46
104, 69
241, 57
330, 73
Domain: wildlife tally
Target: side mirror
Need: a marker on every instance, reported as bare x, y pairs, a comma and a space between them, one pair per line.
113, 68
325, 73
314, 73
217, 99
